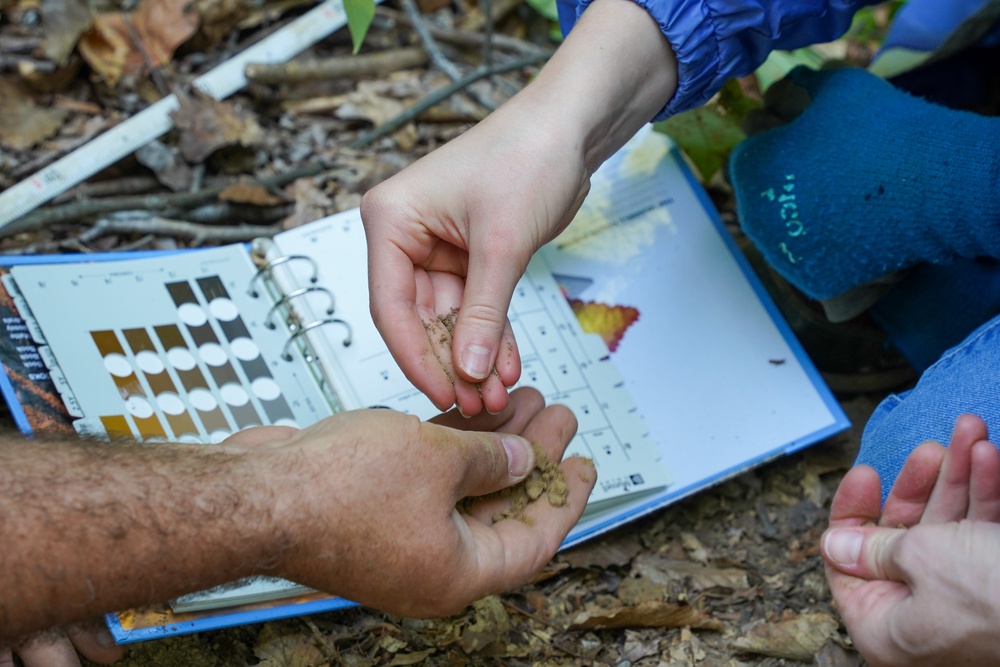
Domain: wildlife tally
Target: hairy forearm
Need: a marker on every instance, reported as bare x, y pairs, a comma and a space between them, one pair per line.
90, 527
613, 73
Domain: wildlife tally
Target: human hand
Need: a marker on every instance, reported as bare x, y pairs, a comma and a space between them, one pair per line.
453, 233
63, 648
921, 595
456, 229
365, 503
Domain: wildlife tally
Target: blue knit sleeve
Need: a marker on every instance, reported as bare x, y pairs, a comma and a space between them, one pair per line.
715, 40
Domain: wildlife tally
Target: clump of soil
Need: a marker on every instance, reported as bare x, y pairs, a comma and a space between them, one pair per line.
546, 480
442, 328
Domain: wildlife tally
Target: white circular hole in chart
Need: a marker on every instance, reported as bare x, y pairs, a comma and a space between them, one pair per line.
138, 407
181, 359
266, 389
202, 399
212, 354
234, 395
223, 309
191, 439
149, 362
287, 422
171, 403
244, 349
117, 365
215, 437
192, 314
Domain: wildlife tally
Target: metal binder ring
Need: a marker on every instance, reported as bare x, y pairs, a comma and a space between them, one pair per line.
287, 356
267, 268
291, 295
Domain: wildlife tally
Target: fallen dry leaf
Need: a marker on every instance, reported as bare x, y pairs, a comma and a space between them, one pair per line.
491, 625
371, 102
118, 44
251, 193
637, 647
797, 638
311, 203
206, 125
24, 122
220, 17
834, 655
664, 570
166, 165
401, 659
604, 553
652, 614
292, 649
65, 21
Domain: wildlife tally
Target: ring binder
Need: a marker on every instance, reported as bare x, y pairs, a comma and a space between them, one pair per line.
287, 356
283, 301
267, 268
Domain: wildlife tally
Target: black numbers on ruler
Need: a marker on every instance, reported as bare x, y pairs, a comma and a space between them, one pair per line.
51, 175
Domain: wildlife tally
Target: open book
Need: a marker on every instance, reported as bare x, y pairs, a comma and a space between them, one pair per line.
688, 375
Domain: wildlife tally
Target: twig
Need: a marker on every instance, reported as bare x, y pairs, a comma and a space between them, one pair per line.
19, 44
465, 38
140, 46
224, 212
142, 222
349, 67
166, 201
434, 98
131, 185
330, 651
13, 61
437, 56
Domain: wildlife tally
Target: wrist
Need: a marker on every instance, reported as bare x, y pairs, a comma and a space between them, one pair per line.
612, 75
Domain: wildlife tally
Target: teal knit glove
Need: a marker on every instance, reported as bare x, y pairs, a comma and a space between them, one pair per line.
867, 180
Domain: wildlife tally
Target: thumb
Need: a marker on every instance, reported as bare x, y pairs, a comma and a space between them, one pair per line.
493, 461
481, 321
867, 552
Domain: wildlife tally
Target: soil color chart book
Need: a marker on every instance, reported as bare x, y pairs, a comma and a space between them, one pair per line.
195, 346
642, 317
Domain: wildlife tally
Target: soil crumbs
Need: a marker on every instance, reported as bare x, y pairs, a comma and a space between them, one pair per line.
547, 479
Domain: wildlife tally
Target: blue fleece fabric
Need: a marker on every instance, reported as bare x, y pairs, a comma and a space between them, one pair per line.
868, 180
715, 40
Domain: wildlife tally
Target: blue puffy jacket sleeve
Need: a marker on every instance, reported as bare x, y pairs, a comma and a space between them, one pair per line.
715, 40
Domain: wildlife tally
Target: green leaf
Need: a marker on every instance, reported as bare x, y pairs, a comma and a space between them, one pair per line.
359, 18
708, 134
546, 8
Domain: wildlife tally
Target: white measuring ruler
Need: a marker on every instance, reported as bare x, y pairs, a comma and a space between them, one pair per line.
154, 121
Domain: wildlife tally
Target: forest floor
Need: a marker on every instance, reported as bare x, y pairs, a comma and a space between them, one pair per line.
731, 576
